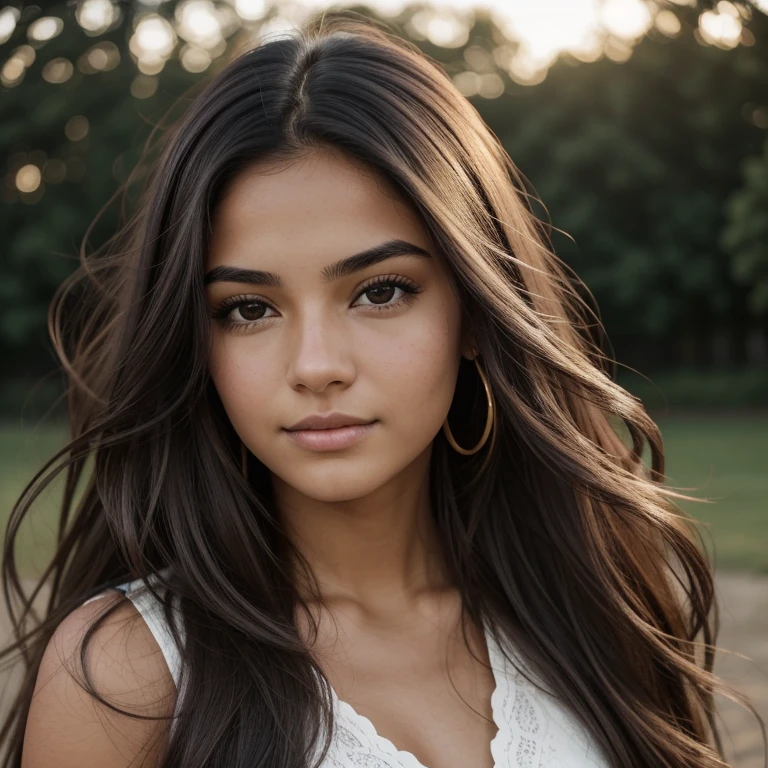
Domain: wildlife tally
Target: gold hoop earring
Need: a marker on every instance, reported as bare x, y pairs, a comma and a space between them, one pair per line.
488, 422
243, 460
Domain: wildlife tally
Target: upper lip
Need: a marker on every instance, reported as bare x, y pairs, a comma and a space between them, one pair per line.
327, 421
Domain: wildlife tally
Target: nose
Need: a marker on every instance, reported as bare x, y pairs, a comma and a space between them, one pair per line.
319, 353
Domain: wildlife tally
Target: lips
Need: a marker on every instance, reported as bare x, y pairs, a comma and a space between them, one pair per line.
336, 439
327, 421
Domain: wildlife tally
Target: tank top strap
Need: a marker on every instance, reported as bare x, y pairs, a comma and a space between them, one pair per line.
152, 612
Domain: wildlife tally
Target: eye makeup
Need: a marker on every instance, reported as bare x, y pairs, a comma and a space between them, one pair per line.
223, 312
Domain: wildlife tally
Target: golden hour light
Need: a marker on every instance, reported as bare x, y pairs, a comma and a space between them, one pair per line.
381, 333
544, 30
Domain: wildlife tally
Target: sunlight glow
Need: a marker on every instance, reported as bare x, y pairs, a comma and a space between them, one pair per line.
547, 27
629, 19
539, 31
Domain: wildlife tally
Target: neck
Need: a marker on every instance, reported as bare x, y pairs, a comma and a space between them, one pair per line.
378, 549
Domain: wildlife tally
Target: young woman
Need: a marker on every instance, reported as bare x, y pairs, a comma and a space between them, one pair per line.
358, 493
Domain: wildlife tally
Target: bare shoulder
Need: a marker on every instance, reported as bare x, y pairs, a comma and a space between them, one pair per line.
68, 727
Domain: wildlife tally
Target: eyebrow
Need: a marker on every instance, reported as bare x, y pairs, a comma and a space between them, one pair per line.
367, 258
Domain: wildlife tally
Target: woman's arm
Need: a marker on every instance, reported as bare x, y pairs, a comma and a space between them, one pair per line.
67, 727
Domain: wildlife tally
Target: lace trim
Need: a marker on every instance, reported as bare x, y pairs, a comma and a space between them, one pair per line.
357, 743
536, 730
533, 729
357, 740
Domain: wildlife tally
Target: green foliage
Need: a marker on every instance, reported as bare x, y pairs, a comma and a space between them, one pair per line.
697, 389
635, 161
746, 235
46, 235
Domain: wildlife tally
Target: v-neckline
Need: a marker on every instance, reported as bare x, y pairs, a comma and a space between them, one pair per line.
408, 759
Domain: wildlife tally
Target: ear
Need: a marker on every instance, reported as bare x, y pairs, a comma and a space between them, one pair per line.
469, 348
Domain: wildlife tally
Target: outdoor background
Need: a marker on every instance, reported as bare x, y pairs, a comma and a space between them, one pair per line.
642, 126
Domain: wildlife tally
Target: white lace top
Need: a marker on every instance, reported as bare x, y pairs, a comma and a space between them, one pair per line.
534, 729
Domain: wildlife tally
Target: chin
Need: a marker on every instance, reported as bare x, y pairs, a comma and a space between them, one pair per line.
332, 491
330, 484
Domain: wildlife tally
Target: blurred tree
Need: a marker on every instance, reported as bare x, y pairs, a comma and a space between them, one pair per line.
635, 161
746, 235
86, 134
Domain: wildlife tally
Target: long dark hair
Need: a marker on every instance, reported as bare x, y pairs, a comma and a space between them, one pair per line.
556, 533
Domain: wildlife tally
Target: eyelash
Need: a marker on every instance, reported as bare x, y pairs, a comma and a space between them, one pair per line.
222, 311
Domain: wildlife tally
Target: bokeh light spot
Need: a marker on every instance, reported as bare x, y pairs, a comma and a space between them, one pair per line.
28, 178
58, 70
9, 17
96, 16
45, 28
76, 128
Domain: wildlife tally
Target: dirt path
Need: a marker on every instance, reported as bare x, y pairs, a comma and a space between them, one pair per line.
744, 630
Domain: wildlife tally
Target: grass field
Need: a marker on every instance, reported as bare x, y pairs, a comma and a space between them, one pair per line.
724, 458
720, 457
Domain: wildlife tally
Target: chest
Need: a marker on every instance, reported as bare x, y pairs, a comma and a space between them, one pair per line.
411, 687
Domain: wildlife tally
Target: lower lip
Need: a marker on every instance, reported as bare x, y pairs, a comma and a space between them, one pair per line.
330, 439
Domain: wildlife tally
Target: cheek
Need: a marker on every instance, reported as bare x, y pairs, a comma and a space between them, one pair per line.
416, 379
245, 387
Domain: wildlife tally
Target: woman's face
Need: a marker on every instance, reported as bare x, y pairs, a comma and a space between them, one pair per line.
310, 339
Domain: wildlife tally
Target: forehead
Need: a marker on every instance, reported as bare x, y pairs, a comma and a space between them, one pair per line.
324, 205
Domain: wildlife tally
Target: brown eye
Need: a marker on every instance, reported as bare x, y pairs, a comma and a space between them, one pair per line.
251, 311
381, 293
241, 312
